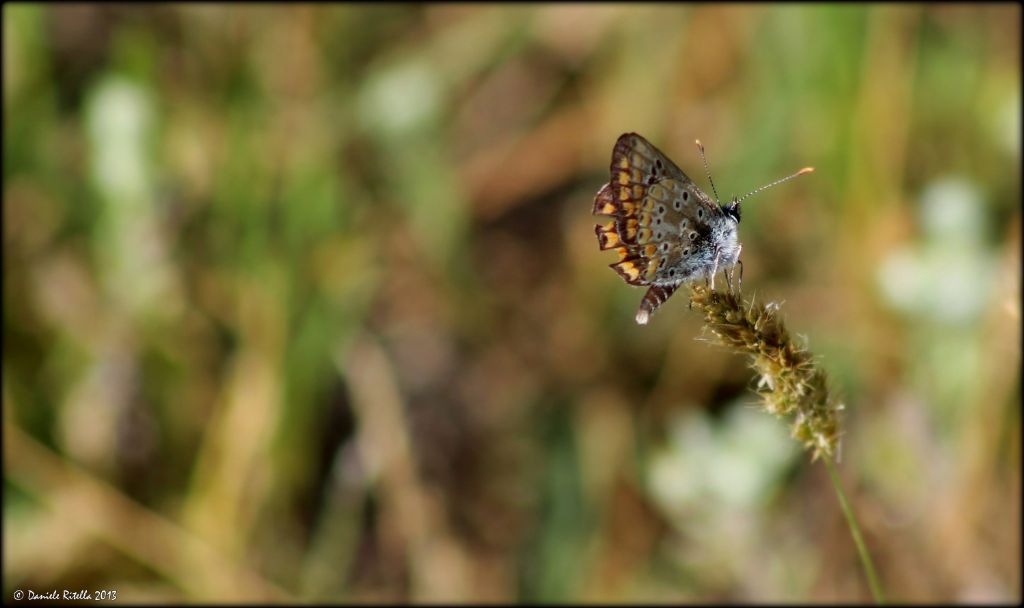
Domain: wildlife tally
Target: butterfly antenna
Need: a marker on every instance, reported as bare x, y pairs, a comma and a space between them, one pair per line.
777, 182
707, 171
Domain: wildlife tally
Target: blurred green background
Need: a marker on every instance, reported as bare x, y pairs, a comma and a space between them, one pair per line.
305, 303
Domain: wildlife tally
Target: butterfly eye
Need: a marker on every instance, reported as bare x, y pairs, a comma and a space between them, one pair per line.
658, 235
686, 195
678, 204
700, 214
664, 247
693, 235
661, 209
671, 272
686, 251
657, 221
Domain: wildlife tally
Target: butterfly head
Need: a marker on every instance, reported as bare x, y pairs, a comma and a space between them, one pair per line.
733, 210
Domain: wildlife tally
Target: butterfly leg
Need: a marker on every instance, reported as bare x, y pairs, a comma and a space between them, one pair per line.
728, 276
714, 271
739, 262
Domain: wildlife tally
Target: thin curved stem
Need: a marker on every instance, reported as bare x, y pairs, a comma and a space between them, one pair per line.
862, 549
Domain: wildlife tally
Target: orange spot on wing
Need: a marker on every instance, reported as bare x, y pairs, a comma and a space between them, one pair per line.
602, 201
631, 228
607, 236
628, 270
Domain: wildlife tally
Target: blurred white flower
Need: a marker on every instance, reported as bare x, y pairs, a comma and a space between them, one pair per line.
401, 98
733, 463
947, 277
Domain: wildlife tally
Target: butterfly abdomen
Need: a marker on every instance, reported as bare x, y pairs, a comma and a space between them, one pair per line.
655, 297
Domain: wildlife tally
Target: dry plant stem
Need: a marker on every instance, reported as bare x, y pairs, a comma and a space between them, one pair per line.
790, 383
76, 498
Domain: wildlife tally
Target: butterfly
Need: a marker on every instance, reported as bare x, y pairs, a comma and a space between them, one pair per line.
665, 230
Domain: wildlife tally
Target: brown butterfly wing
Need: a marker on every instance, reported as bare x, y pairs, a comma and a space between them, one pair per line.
676, 218
653, 209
